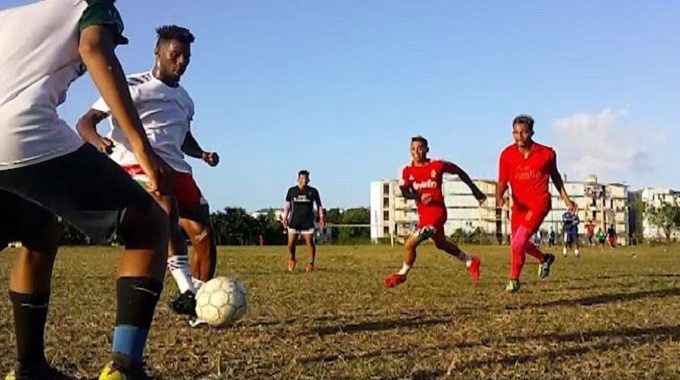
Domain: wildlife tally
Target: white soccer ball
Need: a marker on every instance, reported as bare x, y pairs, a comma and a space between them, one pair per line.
221, 301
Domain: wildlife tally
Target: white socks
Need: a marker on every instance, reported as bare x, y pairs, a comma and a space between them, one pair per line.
404, 269
197, 283
179, 268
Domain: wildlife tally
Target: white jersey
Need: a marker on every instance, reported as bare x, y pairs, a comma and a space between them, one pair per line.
166, 113
39, 59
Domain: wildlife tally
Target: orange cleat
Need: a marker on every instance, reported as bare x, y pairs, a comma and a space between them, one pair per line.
291, 265
394, 280
473, 269
309, 268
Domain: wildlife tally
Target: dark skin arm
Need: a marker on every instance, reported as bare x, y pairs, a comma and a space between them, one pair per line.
87, 129
191, 148
478, 194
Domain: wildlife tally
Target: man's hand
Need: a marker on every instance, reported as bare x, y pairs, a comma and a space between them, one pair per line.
499, 203
161, 176
211, 158
481, 197
426, 198
284, 222
322, 222
571, 206
104, 144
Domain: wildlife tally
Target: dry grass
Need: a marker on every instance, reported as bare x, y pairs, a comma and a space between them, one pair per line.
612, 314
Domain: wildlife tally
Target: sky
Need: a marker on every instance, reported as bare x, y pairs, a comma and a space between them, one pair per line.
339, 87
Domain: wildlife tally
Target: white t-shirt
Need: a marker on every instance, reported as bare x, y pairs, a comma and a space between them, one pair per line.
166, 113
39, 59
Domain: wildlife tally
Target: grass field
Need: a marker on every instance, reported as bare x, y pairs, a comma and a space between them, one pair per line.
612, 314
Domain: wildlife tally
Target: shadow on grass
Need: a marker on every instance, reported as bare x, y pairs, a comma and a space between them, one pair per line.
603, 299
378, 326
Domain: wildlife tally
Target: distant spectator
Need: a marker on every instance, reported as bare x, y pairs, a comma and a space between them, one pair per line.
611, 236
551, 238
590, 230
600, 237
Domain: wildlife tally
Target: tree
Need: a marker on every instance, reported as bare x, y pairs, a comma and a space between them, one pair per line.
355, 216
666, 216
637, 211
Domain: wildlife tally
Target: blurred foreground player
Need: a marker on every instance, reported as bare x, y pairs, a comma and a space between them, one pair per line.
45, 169
421, 180
527, 167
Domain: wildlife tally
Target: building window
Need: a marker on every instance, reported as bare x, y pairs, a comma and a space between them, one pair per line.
386, 215
386, 188
386, 230
386, 202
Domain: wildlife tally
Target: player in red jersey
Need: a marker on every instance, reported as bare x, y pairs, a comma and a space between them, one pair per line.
421, 180
527, 166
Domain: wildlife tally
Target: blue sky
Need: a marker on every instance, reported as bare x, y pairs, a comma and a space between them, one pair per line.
338, 88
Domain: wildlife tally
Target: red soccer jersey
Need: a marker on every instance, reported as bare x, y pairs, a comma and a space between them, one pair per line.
427, 179
528, 177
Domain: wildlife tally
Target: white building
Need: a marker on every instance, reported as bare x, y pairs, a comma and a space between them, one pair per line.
391, 214
278, 212
655, 197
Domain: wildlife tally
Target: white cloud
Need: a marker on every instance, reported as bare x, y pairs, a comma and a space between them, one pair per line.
604, 144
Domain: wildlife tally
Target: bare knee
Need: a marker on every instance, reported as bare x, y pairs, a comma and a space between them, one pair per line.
43, 245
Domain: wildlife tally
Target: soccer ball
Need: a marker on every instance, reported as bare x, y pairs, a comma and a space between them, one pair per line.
221, 301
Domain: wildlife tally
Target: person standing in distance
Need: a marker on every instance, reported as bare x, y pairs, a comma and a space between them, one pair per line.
298, 218
47, 170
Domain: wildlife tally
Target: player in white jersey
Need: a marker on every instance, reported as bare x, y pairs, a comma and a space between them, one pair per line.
166, 110
46, 170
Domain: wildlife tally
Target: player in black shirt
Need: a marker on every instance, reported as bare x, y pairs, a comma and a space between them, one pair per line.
298, 217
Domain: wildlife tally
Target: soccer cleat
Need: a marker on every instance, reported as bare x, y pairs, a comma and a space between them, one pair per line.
121, 368
291, 265
473, 269
309, 268
183, 304
544, 268
512, 286
394, 280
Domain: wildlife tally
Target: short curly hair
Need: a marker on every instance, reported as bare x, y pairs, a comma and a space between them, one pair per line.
525, 120
167, 33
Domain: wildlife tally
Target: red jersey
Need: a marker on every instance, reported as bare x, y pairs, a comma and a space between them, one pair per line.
427, 179
528, 177
590, 229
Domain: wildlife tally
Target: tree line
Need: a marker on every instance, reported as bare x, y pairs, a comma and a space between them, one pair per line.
235, 226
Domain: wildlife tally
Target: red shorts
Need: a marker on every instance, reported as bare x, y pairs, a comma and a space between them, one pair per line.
435, 218
186, 191
530, 219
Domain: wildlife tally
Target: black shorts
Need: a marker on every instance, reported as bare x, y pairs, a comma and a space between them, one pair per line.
304, 226
85, 188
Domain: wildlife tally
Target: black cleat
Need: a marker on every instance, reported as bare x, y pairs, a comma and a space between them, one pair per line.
183, 304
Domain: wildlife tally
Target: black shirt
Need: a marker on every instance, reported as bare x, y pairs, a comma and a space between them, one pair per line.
302, 202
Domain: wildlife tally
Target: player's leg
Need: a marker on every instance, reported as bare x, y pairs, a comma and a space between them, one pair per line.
198, 226
30, 279
575, 241
443, 244
93, 194
308, 238
565, 244
422, 232
177, 260
292, 242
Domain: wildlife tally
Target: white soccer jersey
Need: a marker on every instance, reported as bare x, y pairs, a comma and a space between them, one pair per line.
39, 59
166, 113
